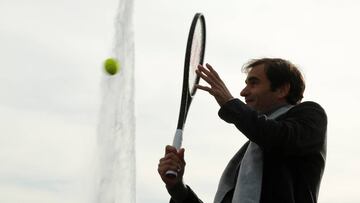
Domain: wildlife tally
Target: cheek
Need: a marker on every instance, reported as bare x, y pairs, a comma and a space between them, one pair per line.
267, 99
258, 94
262, 98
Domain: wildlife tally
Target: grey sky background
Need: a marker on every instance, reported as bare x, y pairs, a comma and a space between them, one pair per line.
51, 55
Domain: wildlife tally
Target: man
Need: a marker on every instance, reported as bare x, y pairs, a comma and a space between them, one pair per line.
284, 159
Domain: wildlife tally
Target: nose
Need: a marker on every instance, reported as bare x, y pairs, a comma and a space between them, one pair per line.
245, 92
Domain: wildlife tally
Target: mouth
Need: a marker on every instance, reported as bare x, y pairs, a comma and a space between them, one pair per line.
248, 100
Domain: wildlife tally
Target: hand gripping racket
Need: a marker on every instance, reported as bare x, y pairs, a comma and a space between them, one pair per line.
194, 55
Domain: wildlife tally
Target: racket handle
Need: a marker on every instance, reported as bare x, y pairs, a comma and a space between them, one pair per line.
177, 144
178, 138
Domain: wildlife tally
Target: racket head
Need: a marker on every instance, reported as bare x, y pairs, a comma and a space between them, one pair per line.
194, 55
195, 50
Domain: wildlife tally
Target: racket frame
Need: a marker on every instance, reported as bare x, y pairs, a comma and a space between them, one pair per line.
187, 93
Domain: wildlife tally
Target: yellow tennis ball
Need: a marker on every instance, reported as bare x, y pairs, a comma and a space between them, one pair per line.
111, 66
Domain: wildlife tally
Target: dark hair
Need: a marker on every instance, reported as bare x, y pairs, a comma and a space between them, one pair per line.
281, 72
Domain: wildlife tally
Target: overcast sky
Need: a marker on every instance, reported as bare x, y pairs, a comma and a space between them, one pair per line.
51, 55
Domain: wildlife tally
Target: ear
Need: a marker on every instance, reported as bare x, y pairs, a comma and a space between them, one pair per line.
283, 91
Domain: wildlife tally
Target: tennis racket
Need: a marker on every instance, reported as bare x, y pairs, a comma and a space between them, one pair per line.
194, 55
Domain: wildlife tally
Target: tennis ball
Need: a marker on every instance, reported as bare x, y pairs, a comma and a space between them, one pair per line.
111, 66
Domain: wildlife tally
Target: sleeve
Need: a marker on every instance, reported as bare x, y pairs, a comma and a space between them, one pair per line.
182, 193
301, 130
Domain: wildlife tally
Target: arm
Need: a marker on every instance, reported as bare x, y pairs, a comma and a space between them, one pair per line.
178, 197
302, 130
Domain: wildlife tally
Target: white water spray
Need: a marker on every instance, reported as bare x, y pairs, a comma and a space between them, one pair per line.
116, 130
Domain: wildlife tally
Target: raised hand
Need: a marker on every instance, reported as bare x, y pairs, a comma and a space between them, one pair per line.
217, 87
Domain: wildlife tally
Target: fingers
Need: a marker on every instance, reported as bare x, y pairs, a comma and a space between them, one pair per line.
207, 89
203, 70
173, 160
169, 162
212, 71
217, 87
170, 149
209, 76
204, 77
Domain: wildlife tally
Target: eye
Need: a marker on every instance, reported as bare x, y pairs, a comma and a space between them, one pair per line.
253, 82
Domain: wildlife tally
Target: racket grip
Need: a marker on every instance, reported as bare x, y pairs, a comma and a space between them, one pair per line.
177, 144
178, 138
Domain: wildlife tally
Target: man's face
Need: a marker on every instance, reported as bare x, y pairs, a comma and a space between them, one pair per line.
257, 92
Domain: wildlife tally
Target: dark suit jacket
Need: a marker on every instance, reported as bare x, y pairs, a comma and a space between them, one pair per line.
294, 150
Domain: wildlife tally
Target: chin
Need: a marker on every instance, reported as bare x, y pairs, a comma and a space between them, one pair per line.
250, 104
254, 107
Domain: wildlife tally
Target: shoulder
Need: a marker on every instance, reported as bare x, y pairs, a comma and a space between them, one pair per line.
308, 106
308, 110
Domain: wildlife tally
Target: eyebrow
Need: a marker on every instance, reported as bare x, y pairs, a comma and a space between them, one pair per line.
252, 79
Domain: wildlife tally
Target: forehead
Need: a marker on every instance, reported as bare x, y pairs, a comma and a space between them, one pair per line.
257, 72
